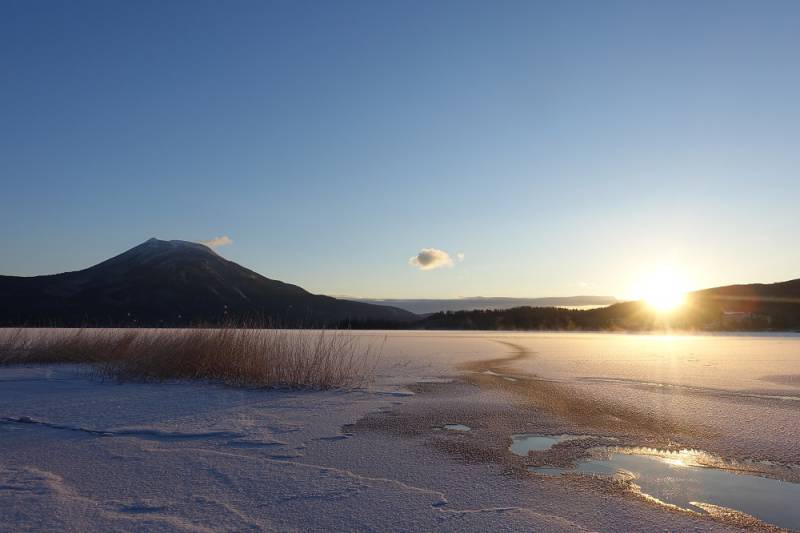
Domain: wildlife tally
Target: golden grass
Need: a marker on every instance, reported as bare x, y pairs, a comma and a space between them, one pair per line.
235, 356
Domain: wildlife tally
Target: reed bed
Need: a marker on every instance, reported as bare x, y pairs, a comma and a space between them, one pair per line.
234, 356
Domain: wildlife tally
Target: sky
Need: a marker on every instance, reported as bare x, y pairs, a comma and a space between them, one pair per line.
407, 149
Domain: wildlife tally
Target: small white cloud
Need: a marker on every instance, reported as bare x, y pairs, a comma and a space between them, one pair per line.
431, 259
216, 242
460, 256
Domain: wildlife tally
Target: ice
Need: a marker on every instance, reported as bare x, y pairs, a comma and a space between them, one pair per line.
85, 454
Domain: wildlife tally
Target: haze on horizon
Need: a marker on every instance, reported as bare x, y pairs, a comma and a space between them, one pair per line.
408, 149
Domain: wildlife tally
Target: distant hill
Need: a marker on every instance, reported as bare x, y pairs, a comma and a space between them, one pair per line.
752, 307
173, 283
770, 305
422, 306
744, 297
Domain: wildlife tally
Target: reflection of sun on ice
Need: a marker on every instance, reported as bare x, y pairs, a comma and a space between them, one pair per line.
676, 461
663, 290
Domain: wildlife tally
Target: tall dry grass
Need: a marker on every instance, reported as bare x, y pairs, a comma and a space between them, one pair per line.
235, 356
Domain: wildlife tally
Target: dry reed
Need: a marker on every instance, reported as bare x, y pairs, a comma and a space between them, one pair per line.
235, 356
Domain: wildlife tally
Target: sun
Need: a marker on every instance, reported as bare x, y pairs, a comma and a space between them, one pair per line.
663, 290
665, 299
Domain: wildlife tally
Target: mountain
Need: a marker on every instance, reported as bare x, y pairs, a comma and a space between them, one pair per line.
173, 283
425, 306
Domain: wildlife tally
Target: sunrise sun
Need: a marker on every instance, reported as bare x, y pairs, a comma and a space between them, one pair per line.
663, 290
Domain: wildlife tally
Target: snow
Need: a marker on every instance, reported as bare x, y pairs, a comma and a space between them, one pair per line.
80, 454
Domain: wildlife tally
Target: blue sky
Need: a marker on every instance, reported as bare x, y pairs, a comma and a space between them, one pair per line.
562, 147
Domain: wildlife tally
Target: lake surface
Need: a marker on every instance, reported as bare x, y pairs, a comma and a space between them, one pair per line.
741, 392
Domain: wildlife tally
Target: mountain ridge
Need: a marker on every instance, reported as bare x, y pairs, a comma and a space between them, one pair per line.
182, 283
432, 305
742, 307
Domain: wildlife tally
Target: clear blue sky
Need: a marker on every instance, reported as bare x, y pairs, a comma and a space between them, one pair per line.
562, 147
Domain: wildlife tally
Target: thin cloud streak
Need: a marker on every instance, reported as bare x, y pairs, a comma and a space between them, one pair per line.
216, 242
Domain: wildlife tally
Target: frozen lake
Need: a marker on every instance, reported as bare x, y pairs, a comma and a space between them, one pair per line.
757, 363
426, 446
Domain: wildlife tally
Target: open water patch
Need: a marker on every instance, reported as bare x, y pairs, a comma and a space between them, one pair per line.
529, 442
457, 427
689, 479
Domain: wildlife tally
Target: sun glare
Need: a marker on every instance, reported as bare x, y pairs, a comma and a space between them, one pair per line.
663, 290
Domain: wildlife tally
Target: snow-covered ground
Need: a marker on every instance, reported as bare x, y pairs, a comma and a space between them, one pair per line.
79, 454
